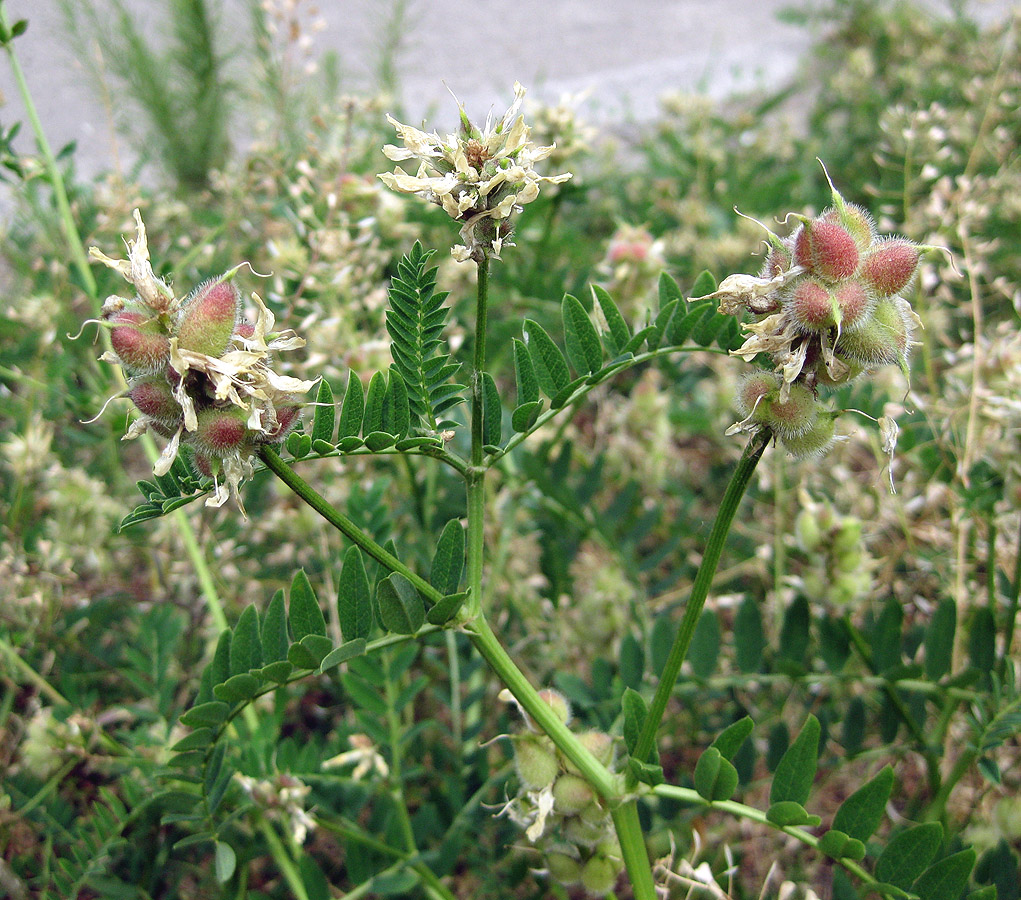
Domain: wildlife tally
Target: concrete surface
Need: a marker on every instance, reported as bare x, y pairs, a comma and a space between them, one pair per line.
627, 54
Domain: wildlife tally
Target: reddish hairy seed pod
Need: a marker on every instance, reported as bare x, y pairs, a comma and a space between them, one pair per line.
777, 262
856, 220
812, 307
287, 418
889, 268
154, 397
826, 249
139, 341
220, 432
754, 389
204, 465
853, 302
245, 330
208, 318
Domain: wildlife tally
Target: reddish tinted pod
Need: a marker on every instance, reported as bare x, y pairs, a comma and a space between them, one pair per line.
208, 318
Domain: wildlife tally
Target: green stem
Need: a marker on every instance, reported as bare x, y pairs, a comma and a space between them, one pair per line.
67, 223
1012, 607
689, 796
475, 477
593, 771
30, 674
342, 523
283, 860
700, 589
632, 848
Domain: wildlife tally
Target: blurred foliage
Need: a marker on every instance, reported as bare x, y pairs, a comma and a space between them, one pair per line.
888, 617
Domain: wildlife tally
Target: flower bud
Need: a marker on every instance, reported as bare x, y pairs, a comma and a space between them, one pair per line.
536, 761
890, 266
599, 875
139, 340
571, 794
220, 432
826, 249
208, 318
154, 397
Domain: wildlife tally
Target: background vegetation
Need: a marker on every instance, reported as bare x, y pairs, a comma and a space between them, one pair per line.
889, 616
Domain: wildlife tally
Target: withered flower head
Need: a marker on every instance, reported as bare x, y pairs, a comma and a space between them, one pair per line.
479, 176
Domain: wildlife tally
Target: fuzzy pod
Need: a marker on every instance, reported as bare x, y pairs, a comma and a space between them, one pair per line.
847, 536
571, 794
558, 703
220, 432
563, 869
881, 338
890, 266
536, 761
857, 220
139, 340
599, 875
778, 260
583, 833
812, 307
813, 442
826, 249
287, 417
154, 397
753, 391
796, 416
208, 317
807, 530
854, 302
204, 466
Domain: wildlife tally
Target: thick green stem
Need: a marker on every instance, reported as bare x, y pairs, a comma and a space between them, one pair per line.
283, 860
700, 589
342, 523
593, 771
475, 478
632, 847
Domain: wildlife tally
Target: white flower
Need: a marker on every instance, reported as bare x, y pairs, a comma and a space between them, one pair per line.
479, 177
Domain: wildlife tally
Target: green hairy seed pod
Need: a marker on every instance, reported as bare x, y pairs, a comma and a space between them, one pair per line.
582, 833
826, 249
807, 530
815, 440
599, 875
571, 794
794, 417
220, 432
208, 318
139, 340
563, 869
753, 391
881, 338
154, 397
536, 761
558, 703
890, 266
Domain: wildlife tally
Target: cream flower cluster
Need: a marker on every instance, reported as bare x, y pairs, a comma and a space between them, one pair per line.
479, 177
198, 371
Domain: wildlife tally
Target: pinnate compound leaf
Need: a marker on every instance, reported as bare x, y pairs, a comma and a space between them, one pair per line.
704, 284
305, 616
939, 639
908, 853
354, 597
492, 411
246, 645
400, 606
343, 653
274, 630
210, 714
618, 333
325, 415
373, 418
524, 375
445, 609
448, 560
729, 741
860, 814
551, 370
219, 667
580, 337
352, 409
946, 879
792, 781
